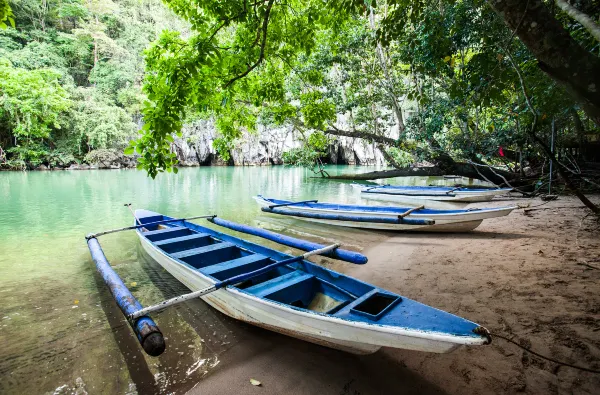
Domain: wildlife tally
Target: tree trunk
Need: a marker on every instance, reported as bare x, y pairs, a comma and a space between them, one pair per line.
462, 169
558, 54
443, 163
405, 172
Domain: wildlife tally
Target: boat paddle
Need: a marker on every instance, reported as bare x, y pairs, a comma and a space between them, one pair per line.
232, 280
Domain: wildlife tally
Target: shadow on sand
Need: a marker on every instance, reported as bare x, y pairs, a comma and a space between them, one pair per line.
285, 365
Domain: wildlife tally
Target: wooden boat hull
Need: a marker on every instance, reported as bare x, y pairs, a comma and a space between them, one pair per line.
315, 330
324, 329
450, 221
421, 196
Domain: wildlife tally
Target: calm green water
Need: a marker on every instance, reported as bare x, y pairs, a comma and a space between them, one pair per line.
59, 328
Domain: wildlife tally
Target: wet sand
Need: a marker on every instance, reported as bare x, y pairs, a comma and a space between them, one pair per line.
527, 277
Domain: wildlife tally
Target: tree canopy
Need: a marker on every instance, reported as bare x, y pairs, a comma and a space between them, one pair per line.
455, 69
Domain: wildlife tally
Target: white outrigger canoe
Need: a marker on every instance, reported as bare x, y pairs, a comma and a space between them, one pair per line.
419, 195
302, 299
365, 217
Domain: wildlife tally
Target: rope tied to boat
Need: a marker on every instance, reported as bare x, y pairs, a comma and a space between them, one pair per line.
583, 368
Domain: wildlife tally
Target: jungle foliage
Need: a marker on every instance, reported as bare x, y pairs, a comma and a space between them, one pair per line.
70, 76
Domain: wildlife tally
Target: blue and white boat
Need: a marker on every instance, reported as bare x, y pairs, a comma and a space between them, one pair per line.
383, 217
425, 194
302, 299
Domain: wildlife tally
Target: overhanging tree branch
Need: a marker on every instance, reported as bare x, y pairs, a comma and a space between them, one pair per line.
264, 29
363, 135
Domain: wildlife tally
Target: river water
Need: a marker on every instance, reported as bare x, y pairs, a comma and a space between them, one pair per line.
60, 331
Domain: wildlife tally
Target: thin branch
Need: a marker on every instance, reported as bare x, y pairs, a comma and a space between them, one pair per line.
499, 175
481, 174
592, 27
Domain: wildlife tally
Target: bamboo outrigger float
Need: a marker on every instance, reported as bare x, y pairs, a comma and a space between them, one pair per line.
286, 294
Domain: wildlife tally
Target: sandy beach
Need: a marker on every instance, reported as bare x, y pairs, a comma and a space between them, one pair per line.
533, 278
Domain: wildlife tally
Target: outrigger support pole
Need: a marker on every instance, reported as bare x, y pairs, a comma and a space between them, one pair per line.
145, 329
149, 224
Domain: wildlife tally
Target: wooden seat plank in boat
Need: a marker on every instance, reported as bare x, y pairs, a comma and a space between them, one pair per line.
182, 243
167, 233
236, 266
278, 283
202, 250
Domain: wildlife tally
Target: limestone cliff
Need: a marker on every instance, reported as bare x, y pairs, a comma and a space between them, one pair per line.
265, 147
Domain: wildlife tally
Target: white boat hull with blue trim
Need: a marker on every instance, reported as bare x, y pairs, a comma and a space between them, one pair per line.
302, 300
445, 220
428, 194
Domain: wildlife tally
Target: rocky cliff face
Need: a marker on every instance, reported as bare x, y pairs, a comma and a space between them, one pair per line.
265, 148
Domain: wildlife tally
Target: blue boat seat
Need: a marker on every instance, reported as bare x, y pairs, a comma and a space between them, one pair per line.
167, 233
150, 219
231, 268
279, 283
178, 244
209, 255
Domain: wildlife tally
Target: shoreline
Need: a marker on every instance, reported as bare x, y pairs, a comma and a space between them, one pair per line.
133, 167
521, 276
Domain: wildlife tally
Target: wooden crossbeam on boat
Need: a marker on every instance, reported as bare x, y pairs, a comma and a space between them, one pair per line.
410, 211
140, 226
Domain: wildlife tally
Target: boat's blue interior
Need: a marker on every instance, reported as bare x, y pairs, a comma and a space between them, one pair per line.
303, 285
371, 209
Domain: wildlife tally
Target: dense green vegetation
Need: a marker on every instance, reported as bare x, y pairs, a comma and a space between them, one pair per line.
70, 77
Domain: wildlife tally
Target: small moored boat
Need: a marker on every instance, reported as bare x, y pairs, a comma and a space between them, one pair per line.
423, 194
382, 217
301, 299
